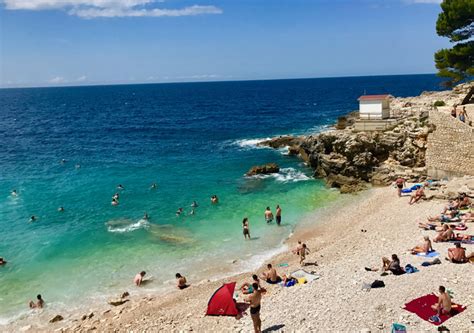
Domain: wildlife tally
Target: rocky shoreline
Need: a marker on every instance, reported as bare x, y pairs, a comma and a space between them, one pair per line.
352, 160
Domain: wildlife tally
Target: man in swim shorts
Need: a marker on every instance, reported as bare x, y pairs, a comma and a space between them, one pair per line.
303, 252
443, 306
268, 215
457, 254
278, 214
255, 304
271, 275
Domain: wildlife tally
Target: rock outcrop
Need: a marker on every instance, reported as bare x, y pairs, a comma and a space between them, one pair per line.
264, 169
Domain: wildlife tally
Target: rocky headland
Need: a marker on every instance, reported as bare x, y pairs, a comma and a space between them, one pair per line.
351, 160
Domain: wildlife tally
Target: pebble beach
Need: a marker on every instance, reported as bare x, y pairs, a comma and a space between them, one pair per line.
335, 302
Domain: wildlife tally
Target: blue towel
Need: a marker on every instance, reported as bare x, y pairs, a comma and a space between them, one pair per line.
428, 255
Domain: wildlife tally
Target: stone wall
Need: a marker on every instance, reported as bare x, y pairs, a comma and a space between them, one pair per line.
450, 148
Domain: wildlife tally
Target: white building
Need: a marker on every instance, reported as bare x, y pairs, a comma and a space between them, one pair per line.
374, 107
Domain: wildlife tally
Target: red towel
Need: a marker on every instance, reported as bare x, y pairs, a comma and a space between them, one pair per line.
422, 307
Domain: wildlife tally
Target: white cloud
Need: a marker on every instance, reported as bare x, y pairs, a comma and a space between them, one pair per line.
81, 78
110, 8
57, 80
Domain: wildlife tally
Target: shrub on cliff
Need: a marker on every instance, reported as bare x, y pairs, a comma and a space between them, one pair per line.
439, 103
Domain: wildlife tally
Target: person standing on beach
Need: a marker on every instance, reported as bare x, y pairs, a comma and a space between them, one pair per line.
245, 228
400, 183
268, 215
278, 214
255, 300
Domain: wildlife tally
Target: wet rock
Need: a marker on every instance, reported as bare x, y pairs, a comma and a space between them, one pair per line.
117, 302
56, 318
281, 141
264, 169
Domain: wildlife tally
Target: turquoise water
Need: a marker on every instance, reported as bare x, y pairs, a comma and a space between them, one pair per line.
193, 140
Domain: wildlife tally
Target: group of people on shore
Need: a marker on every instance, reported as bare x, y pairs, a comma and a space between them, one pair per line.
268, 215
461, 114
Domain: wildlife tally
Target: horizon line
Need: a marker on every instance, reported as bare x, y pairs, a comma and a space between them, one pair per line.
207, 81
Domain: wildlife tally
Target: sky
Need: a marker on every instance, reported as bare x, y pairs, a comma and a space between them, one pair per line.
84, 42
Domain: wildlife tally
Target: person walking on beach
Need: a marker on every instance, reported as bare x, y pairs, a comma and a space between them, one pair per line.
463, 114
268, 215
139, 278
278, 214
245, 228
255, 300
303, 252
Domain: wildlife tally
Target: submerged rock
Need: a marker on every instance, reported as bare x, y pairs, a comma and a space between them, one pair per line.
265, 169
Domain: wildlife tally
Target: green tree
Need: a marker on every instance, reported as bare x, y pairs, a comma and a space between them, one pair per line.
456, 22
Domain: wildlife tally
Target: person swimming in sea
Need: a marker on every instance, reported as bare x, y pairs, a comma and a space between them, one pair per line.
114, 202
192, 212
116, 196
61, 209
214, 199
179, 211
33, 218
245, 228
153, 186
2, 261
120, 187
14, 193
194, 204
63, 161
146, 217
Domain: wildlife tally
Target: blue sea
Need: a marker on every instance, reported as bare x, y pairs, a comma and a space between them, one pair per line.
72, 146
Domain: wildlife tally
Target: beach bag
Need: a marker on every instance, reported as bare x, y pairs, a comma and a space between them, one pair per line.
398, 328
377, 284
410, 269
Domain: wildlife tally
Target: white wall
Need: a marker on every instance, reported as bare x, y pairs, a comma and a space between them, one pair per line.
374, 109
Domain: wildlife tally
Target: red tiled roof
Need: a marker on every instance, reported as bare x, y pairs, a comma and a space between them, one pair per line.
373, 97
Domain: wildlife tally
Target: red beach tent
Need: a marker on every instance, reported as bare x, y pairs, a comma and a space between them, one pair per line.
222, 301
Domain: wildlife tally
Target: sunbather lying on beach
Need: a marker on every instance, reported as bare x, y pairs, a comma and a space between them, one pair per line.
452, 205
181, 280
445, 234
450, 216
424, 248
468, 217
247, 288
457, 254
271, 275
417, 195
38, 305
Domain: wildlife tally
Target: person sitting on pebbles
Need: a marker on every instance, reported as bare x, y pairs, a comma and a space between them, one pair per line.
457, 254
271, 276
387, 265
417, 195
181, 281
247, 288
424, 248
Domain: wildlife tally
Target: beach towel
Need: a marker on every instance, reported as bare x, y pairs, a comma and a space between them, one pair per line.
459, 238
461, 227
431, 254
422, 308
302, 274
